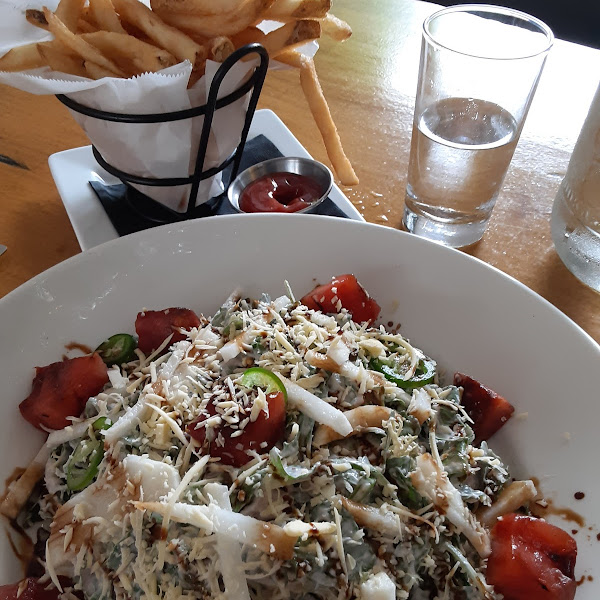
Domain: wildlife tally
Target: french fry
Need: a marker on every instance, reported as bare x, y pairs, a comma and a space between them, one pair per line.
169, 38
201, 59
94, 71
322, 116
105, 15
130, 54
88, 15
249, 35
78, 45
22, 58
289, 10
135, 32
220, 48
197, 7
335, 28
36, 18
290, 35
87, 22
58, 59
292, 58
211, 26
84, 26
69, 13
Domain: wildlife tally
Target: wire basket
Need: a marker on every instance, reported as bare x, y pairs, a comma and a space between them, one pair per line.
253, 86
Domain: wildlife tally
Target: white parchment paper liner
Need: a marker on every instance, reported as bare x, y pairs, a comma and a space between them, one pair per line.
153, 149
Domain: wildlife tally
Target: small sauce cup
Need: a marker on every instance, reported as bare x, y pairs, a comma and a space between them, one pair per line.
311, 169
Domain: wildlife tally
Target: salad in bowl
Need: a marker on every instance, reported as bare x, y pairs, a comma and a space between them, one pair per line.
280, 449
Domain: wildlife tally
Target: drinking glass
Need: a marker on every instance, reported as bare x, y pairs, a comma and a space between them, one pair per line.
576, 210
480, 65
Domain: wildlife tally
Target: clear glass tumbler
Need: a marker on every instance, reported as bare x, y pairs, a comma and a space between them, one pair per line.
480, 65
576, 210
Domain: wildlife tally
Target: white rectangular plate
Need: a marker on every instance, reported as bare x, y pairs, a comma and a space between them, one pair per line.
72, 171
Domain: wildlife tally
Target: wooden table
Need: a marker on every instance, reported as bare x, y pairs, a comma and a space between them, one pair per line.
370, 83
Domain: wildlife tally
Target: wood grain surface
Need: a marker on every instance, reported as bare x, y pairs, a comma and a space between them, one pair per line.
370, 82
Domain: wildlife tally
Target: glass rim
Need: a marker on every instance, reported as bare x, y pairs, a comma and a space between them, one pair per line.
491, 9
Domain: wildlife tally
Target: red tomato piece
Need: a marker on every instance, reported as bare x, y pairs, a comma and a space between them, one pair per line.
347, 290
531, 560
32, 590
61, 390
489, 410
155, 326
235, 450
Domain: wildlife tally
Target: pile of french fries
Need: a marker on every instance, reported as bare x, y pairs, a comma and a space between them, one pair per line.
125, 38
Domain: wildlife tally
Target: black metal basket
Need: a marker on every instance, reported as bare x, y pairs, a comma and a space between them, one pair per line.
253, 84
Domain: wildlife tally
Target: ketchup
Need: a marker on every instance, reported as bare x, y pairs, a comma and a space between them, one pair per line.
280, 192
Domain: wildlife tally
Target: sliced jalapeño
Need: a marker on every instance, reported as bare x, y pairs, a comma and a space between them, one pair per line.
424, 373
117, 349
82, 466
257, 377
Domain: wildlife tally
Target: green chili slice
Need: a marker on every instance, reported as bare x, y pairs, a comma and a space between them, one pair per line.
424, 373
257, 377
82, 466
289, 473
101, 423
117, 349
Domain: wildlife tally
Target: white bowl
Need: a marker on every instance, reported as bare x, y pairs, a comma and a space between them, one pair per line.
459, 310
